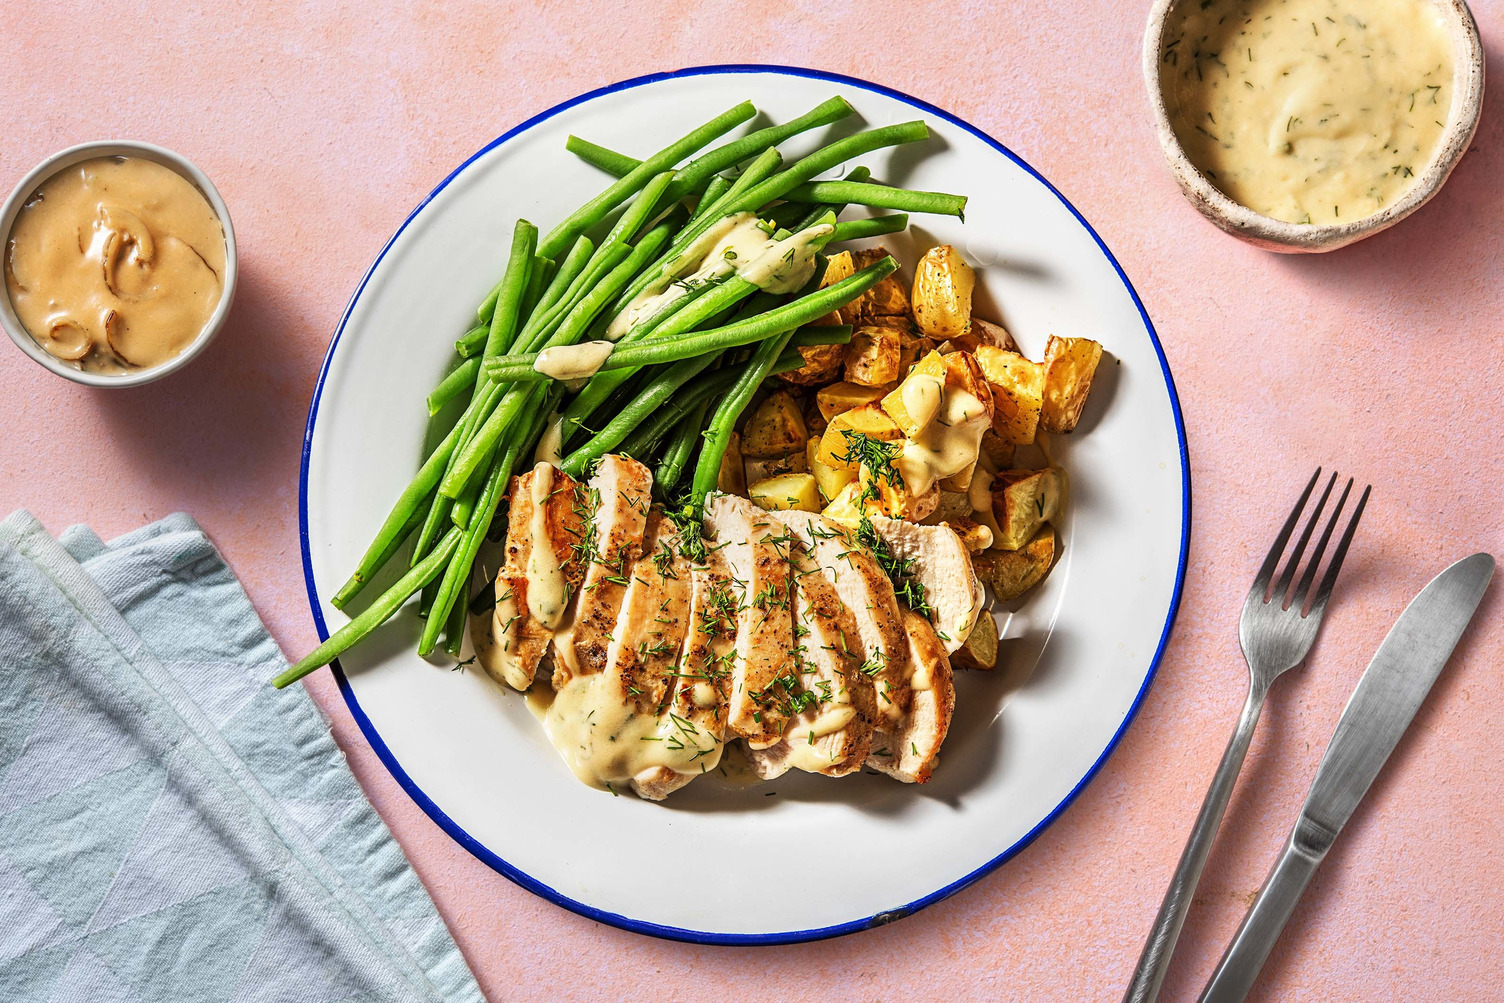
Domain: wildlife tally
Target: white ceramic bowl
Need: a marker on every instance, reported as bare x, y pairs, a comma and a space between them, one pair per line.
1293, 238
38, 176
804, 856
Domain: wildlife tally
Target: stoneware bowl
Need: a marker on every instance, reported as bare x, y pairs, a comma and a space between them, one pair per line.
1290, 238
118, 148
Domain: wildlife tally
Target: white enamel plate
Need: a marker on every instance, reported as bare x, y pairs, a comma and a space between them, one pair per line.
803, 857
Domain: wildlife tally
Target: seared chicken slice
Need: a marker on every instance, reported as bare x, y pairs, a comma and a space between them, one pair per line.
864, 588
541, 574
942, 565
911, 752
755, 548
830, 729
617, 498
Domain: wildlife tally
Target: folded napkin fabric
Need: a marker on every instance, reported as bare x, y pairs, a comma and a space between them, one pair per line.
171, 828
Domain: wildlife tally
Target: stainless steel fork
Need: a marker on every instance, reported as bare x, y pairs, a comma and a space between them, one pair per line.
1276, 631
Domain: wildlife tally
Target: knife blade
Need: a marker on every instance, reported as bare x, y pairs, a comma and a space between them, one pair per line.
1381, 708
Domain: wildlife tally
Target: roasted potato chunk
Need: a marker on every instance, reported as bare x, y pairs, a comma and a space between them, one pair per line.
1017, 393
943, 282
984, 332
1011, 573
997, 450
894, 500
776, 427
794, 463
974, 536
872, 356
837, 267
839, 398
830, 480
886, 299
869, 419
843, 508
1069, 365
957, 371
980, 649
733, 478
786, 491
1022, 501
822, 364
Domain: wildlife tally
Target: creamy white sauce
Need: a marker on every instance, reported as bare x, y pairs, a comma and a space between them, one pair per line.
947, 445
606, 743
740, 245
573, 362
803, 736
552, 441
1310, 111
547, 589
499, 658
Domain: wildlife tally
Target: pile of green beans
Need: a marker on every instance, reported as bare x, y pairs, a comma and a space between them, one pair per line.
672, 389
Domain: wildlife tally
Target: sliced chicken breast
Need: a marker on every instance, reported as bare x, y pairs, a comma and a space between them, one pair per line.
755, 549
864, 588
542, 572
942, 565
616, 502
912, 751
832, 710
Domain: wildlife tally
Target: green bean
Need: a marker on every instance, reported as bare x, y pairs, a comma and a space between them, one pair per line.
542, 274
644, 438
641, 209
454, 623
613, 163
487, 305
514, 284
669, 344
879, 196
719, 185
456, 576
460, 379
547, 333
718, 435
438, 510
679, 448
856, 229
595, 210
376, 614
717, 160
654, 396
473, 340
559, 290
477, 452
827, 157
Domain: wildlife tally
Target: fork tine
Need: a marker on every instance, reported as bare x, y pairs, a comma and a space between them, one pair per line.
1282, 587
1330, 578
1298, 596
1266, 571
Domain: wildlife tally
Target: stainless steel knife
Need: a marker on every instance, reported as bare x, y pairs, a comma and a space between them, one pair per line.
1392, 689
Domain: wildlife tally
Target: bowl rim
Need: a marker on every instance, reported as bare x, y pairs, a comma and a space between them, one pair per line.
1277, 234
78, 153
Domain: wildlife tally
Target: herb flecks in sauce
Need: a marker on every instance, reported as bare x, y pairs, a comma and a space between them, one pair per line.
1312, 104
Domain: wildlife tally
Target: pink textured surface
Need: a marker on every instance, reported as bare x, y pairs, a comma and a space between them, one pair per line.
324, 123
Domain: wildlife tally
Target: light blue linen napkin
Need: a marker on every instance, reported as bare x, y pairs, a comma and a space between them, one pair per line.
171, 828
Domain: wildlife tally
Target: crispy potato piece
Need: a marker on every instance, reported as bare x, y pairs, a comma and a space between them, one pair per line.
830, 480
822, 364
957, 371
794, 463
980, 649
839, 398
872, 356
786, 491
869, 419
843, 507
1011, 573
1069, 365
896, 501
837, 267
984, 332
886, 299
776, 428
1017, 391
953, 505
814, 420
1023, 500
733, 478
997, 450
943, 282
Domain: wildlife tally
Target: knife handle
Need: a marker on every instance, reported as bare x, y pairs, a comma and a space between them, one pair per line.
1266, 919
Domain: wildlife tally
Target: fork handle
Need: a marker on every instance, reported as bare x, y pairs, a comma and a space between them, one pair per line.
1154, 962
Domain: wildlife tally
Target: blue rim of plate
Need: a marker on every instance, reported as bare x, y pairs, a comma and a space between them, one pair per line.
671, 932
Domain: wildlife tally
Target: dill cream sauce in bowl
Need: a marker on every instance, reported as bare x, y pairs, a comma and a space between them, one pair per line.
1304, 125
119, 263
